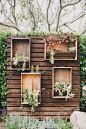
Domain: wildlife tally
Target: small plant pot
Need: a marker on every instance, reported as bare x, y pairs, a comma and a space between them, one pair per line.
84, 81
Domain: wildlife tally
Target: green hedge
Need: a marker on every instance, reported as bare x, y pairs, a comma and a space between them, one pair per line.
3, 64
83, 67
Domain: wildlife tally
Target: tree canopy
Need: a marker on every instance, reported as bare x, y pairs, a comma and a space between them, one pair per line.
47, 15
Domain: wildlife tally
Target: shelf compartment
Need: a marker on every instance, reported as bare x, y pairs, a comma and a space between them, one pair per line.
21, 47
60, 53
60, 74
31, 81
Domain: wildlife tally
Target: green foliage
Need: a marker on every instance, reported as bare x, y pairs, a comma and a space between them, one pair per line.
45, 33
17, 122
31, 98
63, 87
17, 59
3, 64
52, 57
83, 66
72, 49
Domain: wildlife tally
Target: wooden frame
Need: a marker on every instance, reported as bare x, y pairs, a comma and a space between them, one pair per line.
20, 46
61, 55
31, 81
61, 74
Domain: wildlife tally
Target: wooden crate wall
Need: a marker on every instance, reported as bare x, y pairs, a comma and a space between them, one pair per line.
49, 107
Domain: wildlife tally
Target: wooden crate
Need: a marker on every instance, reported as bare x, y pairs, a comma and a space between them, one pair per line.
20, 46
61, 74
60, 54
31, 81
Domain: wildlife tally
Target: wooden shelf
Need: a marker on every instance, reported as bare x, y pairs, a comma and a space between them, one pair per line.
21, 47
31, 81
60, 54
60, 97
61, 74
20, 61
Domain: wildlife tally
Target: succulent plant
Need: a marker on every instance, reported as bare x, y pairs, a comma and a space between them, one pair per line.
16, 60
31, 98
62, 87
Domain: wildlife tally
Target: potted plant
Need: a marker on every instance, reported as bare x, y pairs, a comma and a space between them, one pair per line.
63, 88
31, 98
17, 59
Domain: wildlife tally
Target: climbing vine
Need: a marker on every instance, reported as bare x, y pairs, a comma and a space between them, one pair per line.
3, 64
83, 67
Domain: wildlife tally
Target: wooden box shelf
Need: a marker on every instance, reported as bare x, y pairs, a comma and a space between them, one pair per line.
31, 81
21, 47
60, 53
61, 74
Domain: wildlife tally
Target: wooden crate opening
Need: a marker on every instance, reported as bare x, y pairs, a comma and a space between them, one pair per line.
61, 74
21, 47
31, 81
59, 50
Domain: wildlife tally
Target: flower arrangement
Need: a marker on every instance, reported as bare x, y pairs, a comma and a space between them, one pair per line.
17, 59
31, 98
63, 87
54, 43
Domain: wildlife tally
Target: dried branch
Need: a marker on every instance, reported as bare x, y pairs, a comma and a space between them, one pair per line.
40, 6
83, 32
58, 18
60, 2
47, 15
5, 14
14, 12
71, 4
31, 12
73, 20
10, 3
69, 28
8, 25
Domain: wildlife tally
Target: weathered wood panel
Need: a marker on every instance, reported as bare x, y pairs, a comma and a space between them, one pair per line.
49, 106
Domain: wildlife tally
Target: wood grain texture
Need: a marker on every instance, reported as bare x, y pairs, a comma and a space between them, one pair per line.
49, 106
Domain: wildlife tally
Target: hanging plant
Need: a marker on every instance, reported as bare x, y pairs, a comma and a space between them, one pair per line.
31, 98
18, 59
52, 57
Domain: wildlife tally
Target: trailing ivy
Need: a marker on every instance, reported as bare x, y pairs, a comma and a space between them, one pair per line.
83, 67
3, 64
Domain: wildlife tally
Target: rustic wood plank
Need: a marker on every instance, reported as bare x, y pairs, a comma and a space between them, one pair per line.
48, 100
47, 104
43, 109
42, 113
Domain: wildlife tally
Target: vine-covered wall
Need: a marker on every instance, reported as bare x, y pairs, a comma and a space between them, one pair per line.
49, 106
3, 70
83, 68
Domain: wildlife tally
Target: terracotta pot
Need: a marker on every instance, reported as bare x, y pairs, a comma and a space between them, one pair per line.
84, 81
